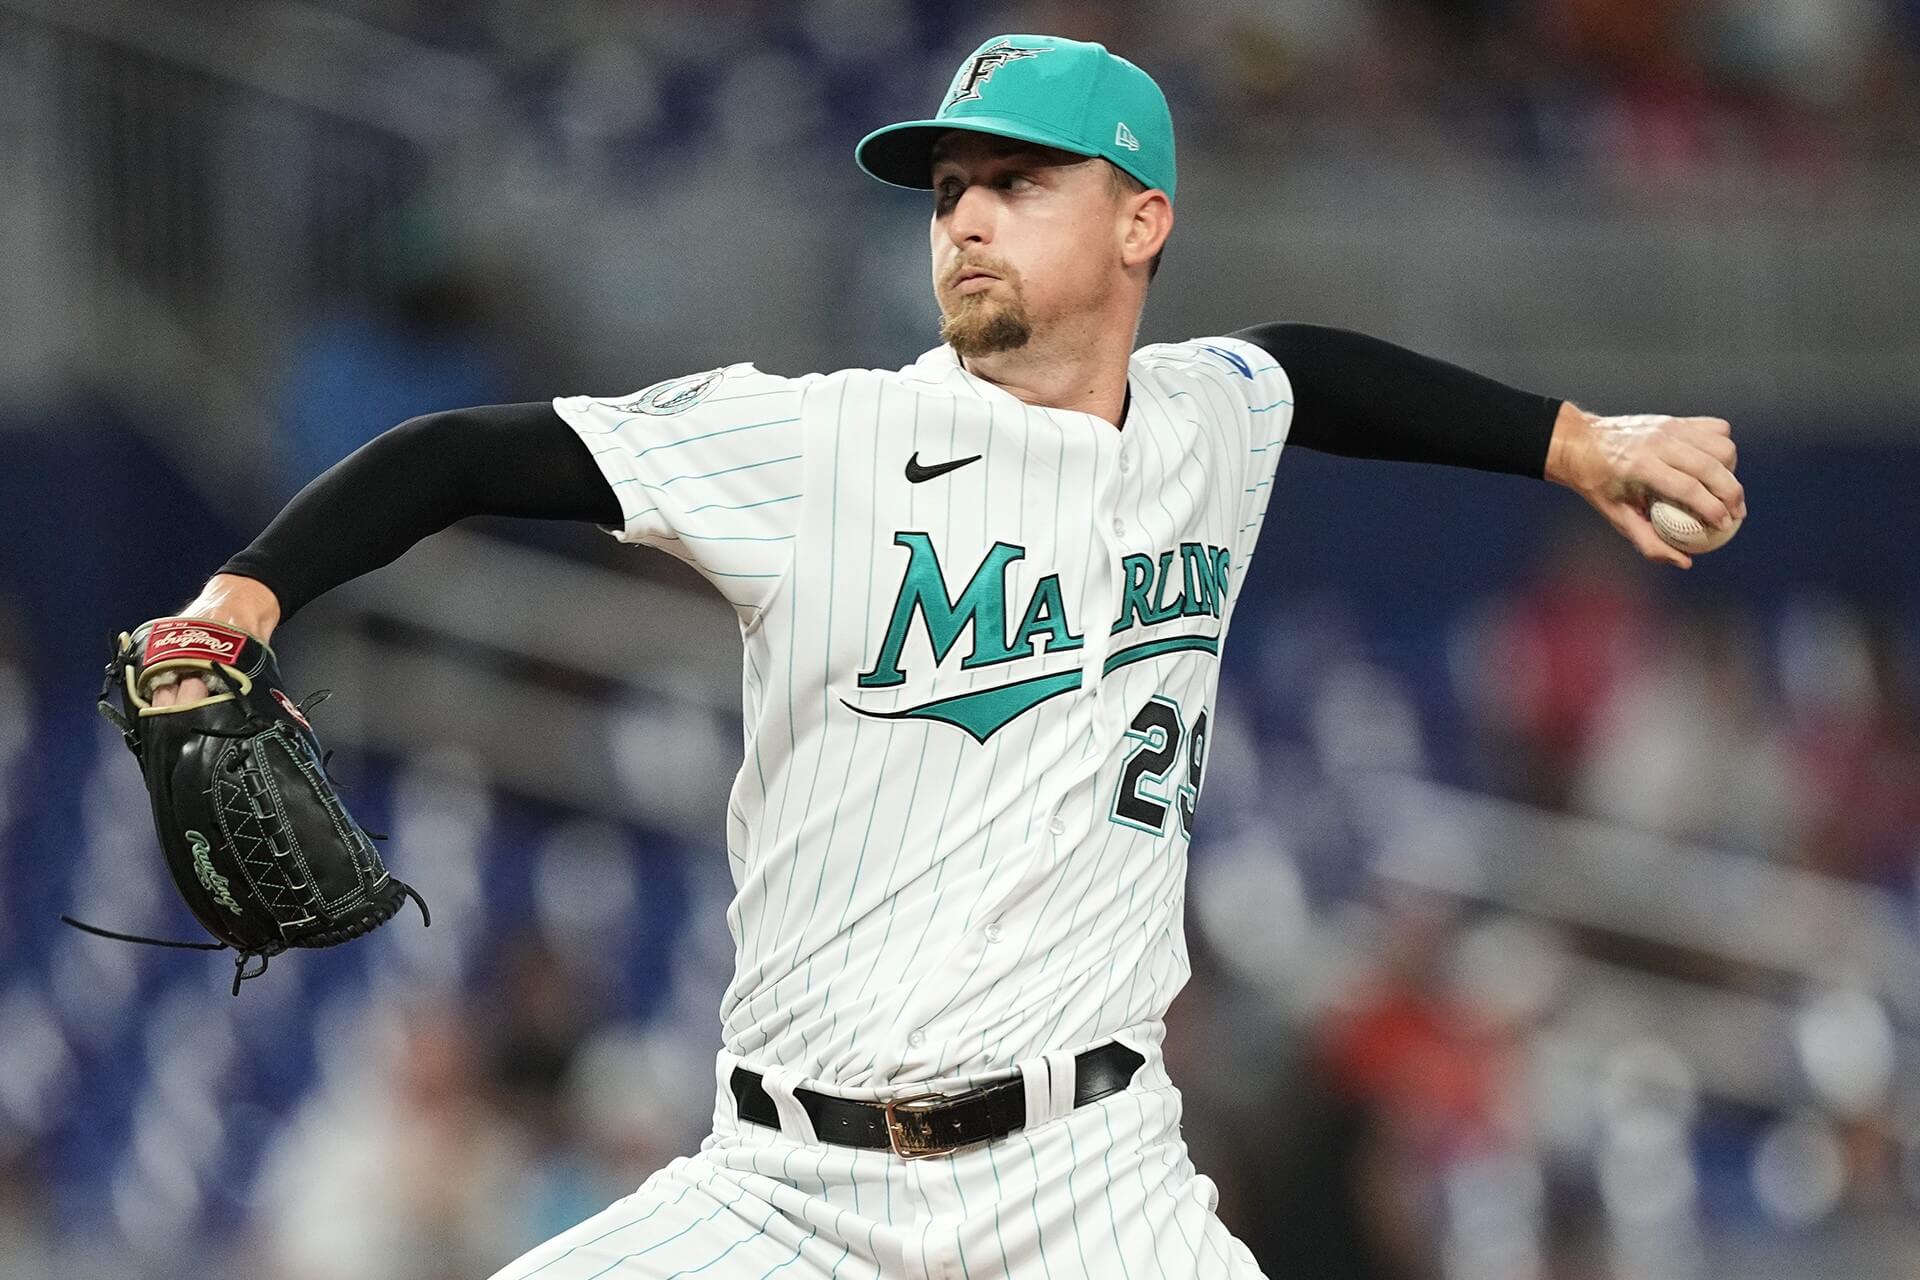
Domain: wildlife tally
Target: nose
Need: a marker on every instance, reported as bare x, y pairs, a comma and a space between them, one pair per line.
971, 222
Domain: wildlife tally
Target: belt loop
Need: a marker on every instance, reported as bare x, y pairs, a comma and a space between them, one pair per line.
1062, 1073
1036, 1077
795, 1123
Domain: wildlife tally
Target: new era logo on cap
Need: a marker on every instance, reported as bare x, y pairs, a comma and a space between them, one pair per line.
1123, 137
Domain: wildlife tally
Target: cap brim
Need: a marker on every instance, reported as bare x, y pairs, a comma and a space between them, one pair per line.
901, 155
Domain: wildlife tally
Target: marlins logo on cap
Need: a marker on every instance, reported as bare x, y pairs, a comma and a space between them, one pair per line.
1067, 94
977, 70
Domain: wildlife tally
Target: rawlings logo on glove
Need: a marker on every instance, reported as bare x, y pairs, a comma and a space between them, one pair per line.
176, 638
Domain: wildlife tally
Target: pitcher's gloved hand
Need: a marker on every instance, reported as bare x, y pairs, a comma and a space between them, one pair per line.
250, 824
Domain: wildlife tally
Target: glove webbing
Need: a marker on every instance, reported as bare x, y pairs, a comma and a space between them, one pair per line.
242, 958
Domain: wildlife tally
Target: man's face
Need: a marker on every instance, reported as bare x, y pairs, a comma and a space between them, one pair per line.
1022, 237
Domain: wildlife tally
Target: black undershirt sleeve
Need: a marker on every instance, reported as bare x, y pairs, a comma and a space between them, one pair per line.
1365, 398
1353, 395
415, 480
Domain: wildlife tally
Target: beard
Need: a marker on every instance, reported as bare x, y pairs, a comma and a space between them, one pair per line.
980, 324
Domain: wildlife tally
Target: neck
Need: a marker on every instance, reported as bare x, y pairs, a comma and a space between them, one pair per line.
1087, 374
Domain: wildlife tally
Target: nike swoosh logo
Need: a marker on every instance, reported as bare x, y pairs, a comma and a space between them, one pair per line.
917, 473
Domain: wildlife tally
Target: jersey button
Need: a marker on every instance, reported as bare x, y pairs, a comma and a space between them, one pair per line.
1058, 825
917, 1039
995, 932
1126, 462
1119, 527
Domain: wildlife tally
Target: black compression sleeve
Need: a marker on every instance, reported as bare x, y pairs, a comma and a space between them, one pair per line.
415, 480
1365, 398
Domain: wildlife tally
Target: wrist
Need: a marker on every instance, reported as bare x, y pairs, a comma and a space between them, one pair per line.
246, 603
1570, 428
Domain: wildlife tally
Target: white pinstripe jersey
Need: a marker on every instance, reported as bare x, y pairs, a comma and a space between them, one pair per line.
976, 704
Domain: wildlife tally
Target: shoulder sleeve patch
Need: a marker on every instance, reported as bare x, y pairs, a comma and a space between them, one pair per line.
675, 395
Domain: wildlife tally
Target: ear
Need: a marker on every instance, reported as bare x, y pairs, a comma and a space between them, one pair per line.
1148, 221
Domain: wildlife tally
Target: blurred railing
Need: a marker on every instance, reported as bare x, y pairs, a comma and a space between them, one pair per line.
1723, 954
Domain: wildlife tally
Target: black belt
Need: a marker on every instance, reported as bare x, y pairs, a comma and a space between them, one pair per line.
934, 1124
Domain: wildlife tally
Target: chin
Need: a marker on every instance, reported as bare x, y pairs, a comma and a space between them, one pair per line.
980, 328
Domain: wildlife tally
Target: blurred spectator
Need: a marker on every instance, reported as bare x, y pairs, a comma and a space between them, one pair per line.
1855, 731
402, 1167
1403, 1110
26, 1220
416, 344
1543, 666
1686, 745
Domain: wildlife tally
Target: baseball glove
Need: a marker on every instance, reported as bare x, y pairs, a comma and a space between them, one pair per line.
250, 823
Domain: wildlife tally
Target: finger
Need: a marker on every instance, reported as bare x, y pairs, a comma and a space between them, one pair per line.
1675, 485
1709, 471
187, 689
1717, 426
1720, 448
1635, 527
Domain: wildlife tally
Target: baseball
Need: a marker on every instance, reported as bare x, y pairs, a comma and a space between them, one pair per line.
1681, 528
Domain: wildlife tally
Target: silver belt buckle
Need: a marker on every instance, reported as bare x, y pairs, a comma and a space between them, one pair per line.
907, 1128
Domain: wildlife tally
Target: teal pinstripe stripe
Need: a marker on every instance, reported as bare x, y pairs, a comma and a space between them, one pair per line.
772, 1213
844, 1251
1140, 477
1140, 1105
899, 853
1079, 1236
1267, 407
741, 506
993, 769
866, 612
959, 1245
663, 1243
1175, 471
999, 1196
694, 1271
719, 573
752, 395
716, 506
708, 475
684, 1193
987, 841
737, 537
1155, 648
705, 435
1033, 1206
1097, 863
786, 783
826, 708
886, 750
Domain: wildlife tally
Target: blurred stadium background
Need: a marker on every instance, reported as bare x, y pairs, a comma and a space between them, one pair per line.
1553, 916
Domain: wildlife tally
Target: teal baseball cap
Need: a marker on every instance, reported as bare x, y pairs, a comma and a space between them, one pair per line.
1059, 93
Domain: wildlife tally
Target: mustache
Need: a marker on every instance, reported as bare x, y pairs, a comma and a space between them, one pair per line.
992, 266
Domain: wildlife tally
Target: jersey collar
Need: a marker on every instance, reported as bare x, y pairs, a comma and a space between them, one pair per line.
941, 367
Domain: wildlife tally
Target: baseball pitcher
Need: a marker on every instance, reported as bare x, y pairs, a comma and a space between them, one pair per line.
982, 601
